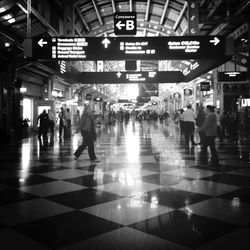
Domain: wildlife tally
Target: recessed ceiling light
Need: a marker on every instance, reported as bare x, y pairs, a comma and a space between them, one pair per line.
6, 17
2, 9
12, 20
7, 44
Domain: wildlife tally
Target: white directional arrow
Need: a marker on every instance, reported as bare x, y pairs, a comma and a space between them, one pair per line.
215, 41
106, 42
119, 74
119, 25
41, 42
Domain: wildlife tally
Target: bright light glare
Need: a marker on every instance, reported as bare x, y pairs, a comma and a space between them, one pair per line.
131, 91
6, 17
12, 20
2, 9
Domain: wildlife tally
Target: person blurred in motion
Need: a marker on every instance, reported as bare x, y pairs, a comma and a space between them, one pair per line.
189, 125
210, 130
133, 116
87, 129
43, 121
62, 122
199, 122
166, 118
67, 131
218, 126
51, 123
181, 121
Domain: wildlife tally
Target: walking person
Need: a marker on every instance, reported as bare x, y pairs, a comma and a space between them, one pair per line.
199, 122
181, 121
210, 130
218, 126
43, 122
62, 122
189, 125
67, 131
51, 125
87, 128
133, 116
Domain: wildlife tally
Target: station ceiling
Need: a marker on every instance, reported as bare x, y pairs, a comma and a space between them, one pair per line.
95, 18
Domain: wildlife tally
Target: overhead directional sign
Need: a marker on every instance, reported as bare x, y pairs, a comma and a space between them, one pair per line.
125, 23
232, 76
132, 48
127, 77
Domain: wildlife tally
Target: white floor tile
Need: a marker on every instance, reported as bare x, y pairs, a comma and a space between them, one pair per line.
127, 211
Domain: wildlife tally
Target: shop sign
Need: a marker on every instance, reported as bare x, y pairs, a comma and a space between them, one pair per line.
205, 86
88, 97
188, 92
245, 102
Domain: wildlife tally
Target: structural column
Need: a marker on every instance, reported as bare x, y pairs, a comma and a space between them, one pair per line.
68, 18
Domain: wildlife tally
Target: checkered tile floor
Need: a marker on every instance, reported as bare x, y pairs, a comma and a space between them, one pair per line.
148, 192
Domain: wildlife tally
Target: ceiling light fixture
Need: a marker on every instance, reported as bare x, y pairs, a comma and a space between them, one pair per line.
8, 16
2, 9
12, 20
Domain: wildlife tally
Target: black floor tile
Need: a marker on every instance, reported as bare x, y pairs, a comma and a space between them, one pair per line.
185, 229
29, 180
174, 198
84, 198
14, 195
91, 180
64, 229
46, 168
230, 179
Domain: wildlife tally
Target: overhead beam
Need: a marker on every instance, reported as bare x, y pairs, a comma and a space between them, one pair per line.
242, 6
113, 5
147, 11
81, 18
52, 31
180, 16
77, 31
164, 12
97, 12
239, 31
237, 12
130, 5
218, 29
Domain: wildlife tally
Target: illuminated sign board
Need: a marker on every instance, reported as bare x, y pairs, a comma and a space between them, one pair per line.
127, 77
148, 90
204, 86
232, 76
245, 102
125, 23
131, 48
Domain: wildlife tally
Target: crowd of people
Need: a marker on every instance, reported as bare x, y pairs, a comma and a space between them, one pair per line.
208, 123
46, 123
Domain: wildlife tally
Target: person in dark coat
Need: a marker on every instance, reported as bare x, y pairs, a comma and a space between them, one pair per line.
43, 121
87, 128
210, 130
199, 122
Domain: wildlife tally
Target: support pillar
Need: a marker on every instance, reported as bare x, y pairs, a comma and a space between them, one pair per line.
68, 18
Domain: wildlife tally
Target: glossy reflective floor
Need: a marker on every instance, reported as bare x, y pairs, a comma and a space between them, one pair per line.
148, 192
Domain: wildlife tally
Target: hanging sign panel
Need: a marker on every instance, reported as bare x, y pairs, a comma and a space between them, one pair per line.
131, 48
232, 76
127, 77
